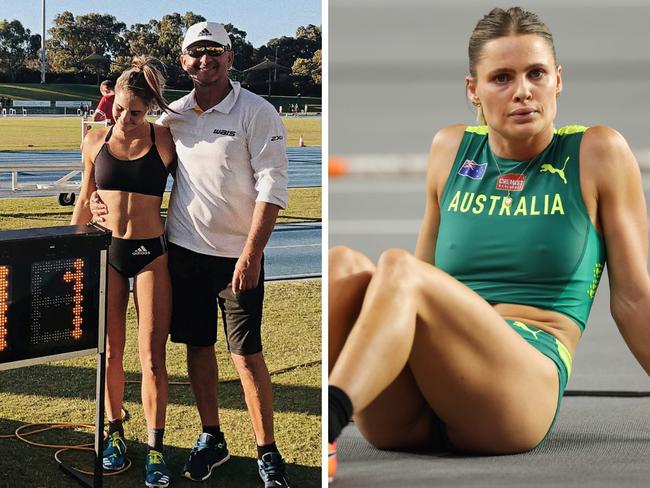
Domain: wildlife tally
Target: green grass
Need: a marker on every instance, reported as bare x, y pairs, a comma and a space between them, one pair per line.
19, 213
69, 91
28, 133
54, 92
64, 391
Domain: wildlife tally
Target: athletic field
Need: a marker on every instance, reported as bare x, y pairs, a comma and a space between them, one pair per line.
46, 133
64, 391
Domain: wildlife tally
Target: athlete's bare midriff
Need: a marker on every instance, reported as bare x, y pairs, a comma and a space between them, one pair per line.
132, 215
558, 325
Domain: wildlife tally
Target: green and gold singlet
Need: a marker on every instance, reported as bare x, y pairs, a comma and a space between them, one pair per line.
527, 242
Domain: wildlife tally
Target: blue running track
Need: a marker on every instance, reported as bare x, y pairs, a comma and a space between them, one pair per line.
304, 165
293, 251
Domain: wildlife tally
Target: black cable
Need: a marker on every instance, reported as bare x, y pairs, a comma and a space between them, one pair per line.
607, 393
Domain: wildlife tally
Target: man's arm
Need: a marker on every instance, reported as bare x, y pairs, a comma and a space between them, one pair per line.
266, 137
249, 265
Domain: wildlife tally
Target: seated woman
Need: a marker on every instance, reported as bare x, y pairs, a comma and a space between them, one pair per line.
128, 166
468, 345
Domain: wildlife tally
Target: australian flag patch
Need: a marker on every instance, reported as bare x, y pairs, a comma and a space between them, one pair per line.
472, 169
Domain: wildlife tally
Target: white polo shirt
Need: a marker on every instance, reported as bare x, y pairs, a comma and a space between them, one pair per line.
229, 157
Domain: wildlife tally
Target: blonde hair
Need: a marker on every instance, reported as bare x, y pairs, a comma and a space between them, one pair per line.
502, 23
145, 81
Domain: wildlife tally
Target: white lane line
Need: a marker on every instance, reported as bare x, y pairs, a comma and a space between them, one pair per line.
374, 227
374, 186
293, 245
309, 224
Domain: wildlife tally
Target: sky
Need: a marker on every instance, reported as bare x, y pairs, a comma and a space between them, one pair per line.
262, 20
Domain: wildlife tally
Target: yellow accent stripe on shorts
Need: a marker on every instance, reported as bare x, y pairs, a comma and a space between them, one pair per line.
565, 356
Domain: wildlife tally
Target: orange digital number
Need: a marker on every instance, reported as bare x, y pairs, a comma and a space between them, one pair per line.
76, 278
4, 306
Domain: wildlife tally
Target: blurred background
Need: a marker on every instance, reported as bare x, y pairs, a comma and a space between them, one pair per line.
396, 75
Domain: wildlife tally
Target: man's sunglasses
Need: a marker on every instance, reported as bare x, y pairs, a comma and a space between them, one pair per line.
213, 51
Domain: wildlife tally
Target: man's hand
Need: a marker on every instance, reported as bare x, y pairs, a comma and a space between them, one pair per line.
98, 208
247, 273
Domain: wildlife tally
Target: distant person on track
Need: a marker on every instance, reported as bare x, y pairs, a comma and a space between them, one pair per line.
468, 344
104, 109
230, 184
127, 166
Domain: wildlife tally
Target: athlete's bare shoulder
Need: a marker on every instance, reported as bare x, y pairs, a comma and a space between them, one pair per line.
448, 138
607, 165
604, 150
93, 141
442, 154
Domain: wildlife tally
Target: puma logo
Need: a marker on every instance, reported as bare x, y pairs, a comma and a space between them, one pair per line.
551, 169
523, 326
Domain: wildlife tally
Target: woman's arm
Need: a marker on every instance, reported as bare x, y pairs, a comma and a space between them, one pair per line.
166, 146
441, 157
81, 213
624, 221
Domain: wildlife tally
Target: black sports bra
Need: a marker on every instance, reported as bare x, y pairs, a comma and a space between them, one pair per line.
146, 175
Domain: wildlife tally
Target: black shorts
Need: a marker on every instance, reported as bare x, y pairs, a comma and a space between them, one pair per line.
200, 283
130, 256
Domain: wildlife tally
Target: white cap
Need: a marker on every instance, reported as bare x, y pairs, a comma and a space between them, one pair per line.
206, 31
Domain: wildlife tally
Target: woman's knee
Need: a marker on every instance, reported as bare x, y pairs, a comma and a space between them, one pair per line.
153, 365
344, 261
397, 265
114, 356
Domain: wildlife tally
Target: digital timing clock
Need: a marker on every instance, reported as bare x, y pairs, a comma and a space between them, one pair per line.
52, 293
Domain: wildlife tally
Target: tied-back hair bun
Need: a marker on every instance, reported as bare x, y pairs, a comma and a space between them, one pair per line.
145, 78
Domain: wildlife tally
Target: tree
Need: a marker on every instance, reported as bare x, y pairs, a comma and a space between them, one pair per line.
74, 39
310, 37
244, 50
285, 51
162, 40
309, 70
14, 47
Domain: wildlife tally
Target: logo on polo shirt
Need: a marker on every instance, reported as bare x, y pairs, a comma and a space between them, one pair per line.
204, 32
276, 138
224, 132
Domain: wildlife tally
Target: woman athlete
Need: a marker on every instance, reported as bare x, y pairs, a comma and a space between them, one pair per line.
468, 345
128, 166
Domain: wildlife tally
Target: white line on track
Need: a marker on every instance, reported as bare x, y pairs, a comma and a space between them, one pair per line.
374, 227
293, 245
377, 187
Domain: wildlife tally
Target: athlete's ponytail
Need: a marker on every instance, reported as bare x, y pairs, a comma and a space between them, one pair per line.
145, 80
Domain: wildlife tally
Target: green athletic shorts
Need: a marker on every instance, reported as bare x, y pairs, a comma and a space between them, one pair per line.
545, 343
550, 347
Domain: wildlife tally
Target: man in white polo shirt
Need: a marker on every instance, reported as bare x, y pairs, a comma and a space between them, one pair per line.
230, 183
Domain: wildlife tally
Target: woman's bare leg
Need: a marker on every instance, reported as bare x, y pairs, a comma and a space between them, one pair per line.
348, 277
152, 292
495, 392
118, 296
350, 273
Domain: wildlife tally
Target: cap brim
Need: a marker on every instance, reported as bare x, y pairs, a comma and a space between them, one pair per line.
206, 42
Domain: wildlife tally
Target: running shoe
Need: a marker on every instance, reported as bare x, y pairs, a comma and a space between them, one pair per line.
206, 455
331, 461
114, 455
157, 474
273, 470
